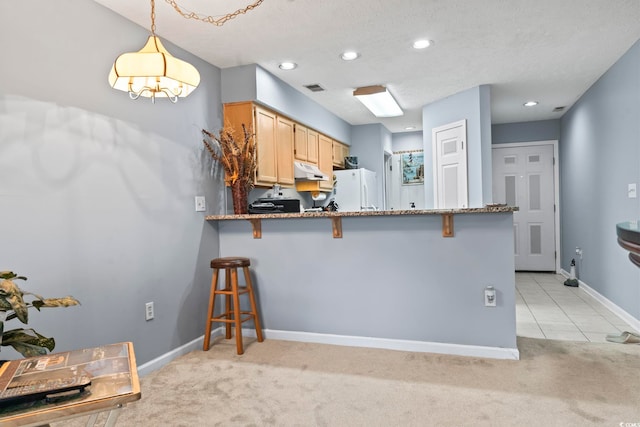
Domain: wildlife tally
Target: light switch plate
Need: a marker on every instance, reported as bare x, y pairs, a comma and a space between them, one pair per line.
201, 205
632, 192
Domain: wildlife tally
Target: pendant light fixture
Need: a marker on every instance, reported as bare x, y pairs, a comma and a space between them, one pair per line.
153, 72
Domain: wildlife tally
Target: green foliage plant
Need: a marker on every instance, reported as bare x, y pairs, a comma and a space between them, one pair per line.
14, 305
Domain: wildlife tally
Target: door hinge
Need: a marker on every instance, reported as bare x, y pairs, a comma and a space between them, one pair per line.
554, 207
555, 254
554, 161
462, 145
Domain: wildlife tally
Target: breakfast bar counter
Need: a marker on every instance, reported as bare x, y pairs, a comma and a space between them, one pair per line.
335, 216
410, 280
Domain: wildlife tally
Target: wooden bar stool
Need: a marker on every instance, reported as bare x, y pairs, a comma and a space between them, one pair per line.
231, 313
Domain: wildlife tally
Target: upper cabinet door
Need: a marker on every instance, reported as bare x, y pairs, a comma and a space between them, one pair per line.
285, 141
340, 151
300, 143
325, 161
266, 150
312, 147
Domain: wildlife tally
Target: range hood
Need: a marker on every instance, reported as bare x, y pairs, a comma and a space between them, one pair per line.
307, 172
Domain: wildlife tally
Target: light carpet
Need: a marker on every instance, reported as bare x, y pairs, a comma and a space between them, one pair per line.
281, 383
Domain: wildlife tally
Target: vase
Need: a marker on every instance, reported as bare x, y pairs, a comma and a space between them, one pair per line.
239, 196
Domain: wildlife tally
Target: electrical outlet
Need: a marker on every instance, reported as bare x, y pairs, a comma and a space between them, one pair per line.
148, 311
201, 205
489, 296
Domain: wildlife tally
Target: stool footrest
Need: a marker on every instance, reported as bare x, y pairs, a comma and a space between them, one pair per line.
230, 292
227, 318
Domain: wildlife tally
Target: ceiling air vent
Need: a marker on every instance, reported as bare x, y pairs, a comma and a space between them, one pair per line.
315, 88
558, 109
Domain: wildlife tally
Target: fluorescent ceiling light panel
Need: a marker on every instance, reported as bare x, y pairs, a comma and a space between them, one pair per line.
378, 100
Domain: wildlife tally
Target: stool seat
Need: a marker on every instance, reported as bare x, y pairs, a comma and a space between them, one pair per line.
230, 262
231, 312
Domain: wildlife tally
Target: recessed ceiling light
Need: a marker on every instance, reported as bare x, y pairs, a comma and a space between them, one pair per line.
422, 44
349, 55
530, 103
410, 128
287, 65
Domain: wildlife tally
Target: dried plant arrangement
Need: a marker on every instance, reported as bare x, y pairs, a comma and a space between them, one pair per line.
238, 159
13, 305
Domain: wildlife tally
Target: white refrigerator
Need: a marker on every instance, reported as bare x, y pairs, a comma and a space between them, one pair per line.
356, 190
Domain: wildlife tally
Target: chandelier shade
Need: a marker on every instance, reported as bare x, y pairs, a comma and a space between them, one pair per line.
153, 72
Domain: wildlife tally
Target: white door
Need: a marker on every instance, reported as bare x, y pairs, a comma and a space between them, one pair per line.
524, 177
450, 166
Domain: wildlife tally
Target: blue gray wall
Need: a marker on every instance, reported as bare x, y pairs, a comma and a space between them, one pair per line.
97, 191
406, 141
253, 83
540, 130
474, 106
599, 157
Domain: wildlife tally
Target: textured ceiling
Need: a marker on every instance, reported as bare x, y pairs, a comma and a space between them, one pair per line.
547, 50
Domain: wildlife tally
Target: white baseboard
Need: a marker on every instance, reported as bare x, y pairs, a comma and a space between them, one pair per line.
159, 362
394, 344
632, 321
344, 340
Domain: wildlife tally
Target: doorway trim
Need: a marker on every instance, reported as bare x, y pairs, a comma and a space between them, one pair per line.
556, 184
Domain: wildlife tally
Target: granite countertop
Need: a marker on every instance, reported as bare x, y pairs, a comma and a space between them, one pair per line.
486, 209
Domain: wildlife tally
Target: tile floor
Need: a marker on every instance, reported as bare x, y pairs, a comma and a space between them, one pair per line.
545, 308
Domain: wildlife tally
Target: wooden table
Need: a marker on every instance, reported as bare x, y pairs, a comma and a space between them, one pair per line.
114, 383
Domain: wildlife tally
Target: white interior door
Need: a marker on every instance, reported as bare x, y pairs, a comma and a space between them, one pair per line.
524, 177
450, 166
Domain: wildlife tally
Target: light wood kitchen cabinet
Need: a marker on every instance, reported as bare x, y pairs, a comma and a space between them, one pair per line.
274, 141
284, 151
306, 144
266, 151
325, 164
340, 151
325, 161
300, 144
312, 147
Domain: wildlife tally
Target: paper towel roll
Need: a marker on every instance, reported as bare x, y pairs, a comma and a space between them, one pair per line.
318, 197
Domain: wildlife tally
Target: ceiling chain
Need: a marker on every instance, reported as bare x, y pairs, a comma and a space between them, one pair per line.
210, 19
153, 18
